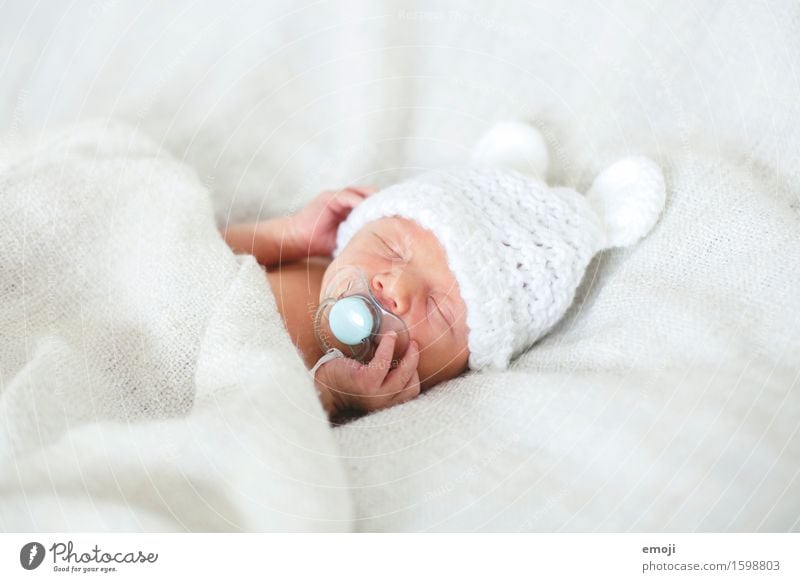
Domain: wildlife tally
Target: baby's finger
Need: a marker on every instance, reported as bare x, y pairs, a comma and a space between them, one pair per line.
382, 360
334, 374
411, 390
345, 200
400, 376
363, 190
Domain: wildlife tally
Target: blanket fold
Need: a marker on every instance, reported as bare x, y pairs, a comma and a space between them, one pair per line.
143, 365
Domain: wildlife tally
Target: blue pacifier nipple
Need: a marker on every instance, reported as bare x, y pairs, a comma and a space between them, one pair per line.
350, 320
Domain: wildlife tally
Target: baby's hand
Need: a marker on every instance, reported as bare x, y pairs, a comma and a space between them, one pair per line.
372, 386
314, 227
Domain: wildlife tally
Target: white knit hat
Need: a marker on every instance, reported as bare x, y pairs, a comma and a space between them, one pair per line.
517, 247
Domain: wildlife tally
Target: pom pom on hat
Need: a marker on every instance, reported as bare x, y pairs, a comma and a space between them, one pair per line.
628, 196
513, 145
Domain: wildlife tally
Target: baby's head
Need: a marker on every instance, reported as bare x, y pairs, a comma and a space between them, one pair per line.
481, 261
407, 270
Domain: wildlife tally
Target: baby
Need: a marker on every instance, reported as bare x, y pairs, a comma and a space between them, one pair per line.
478, 262
408, 271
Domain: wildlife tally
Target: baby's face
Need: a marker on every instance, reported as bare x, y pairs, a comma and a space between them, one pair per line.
406, 267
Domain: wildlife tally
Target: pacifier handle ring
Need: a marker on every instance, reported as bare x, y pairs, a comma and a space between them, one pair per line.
331, 354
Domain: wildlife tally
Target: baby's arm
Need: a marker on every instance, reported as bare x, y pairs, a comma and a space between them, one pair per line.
272, 241
311, 232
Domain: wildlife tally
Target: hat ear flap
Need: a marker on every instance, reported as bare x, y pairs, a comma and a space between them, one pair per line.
628, 196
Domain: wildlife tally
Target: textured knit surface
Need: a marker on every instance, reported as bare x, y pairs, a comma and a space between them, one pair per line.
146, 381
517, 248
667, 399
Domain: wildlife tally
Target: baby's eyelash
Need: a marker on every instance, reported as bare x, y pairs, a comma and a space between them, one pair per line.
439, 309
393, 254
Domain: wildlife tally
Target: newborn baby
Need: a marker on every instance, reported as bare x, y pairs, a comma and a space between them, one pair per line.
478, 262
408, 271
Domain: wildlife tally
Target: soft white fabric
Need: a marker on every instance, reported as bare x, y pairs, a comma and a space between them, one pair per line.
516, 145
146, 380
668, 397
628, 196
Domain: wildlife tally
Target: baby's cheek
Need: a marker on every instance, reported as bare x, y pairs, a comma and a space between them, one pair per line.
429, 363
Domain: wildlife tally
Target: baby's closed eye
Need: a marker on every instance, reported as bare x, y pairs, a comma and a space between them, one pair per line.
433, 305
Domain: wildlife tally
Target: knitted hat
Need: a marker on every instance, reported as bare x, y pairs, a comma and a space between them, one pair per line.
517, 247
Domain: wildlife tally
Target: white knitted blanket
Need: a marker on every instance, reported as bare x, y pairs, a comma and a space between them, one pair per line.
669, 397
146, 381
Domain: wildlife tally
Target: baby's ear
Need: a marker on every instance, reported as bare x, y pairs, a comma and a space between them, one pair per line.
628, 196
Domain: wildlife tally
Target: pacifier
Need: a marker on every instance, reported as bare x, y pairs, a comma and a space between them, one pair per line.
349, 318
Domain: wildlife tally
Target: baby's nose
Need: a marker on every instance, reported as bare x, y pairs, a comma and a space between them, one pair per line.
389, 292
